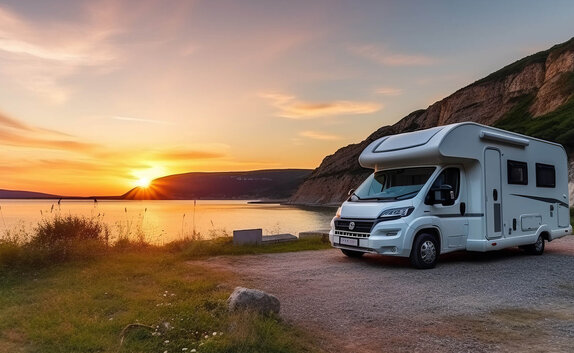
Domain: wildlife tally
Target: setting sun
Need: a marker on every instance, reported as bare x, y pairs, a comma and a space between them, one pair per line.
143, 182
143, 178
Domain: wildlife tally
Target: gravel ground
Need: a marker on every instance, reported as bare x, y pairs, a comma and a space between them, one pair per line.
503, 301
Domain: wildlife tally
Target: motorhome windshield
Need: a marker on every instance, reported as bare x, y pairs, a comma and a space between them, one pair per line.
395, 184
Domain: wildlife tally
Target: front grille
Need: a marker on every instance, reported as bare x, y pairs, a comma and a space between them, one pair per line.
360, 226
351, 234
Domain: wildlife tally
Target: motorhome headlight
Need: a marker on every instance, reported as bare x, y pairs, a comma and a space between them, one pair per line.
338, 214
396, 212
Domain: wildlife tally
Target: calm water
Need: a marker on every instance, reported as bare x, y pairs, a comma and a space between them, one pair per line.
163, 221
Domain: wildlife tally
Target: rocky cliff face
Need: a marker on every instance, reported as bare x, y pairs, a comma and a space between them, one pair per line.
534, 87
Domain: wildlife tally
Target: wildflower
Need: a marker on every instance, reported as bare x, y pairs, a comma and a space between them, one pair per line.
184, 349
206, 337
193, 350
215, 333
166, 341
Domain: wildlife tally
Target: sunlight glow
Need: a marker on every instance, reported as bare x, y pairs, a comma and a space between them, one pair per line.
143, 178
143, 182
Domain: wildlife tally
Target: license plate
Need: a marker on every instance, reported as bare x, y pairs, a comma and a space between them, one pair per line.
348, 241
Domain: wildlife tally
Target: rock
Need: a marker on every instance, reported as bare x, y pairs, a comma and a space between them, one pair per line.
253, 299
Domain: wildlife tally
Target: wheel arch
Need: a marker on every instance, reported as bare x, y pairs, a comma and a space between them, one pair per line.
434, 231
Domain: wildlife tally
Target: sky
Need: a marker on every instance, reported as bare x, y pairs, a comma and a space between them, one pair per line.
98, 95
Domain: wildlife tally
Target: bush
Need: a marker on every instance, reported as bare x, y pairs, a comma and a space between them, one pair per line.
64, 237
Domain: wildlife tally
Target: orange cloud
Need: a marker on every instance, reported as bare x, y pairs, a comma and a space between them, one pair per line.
319, 136
13, 123
183, 155
383, 56
290, 107
38, 57
140, 120
14, 139
389, 91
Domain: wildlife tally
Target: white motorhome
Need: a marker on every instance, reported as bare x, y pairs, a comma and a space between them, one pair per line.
456, 187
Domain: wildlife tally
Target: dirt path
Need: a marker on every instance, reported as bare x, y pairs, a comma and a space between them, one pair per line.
495, 302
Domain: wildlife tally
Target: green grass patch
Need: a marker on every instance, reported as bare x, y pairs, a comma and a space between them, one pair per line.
135, 301
224, 246
66, 288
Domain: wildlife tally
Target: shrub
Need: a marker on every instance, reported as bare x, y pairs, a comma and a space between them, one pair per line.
64, 237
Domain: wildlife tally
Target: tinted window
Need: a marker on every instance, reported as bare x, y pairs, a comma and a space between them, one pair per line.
545, 175
449, 176
395, 184
517, 172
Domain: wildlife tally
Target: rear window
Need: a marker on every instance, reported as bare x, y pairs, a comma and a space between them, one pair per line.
517, 172
545, 175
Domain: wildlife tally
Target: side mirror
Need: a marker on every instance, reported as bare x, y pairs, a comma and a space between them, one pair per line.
446, 195
351, 192
443, 195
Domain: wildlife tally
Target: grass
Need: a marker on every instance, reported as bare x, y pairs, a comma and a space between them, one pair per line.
224, 246
129, 296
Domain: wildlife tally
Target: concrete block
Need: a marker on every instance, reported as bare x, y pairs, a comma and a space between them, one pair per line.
322, 233
279, 238
247, 236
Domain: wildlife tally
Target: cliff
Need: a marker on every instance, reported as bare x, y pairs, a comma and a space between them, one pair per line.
534, 96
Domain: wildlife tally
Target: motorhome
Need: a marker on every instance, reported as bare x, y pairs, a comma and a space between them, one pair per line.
456, 187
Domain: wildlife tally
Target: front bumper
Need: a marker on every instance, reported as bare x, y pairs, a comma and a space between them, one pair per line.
385, 238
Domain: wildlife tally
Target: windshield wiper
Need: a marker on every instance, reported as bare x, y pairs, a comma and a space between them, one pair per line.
378, 198
406, 194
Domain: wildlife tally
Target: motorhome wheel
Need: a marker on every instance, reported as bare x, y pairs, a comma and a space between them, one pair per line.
536, 248
424, 253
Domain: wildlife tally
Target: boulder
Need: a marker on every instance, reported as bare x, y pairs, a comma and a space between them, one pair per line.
253, 299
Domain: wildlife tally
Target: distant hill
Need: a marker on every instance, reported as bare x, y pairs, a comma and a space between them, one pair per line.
533, 96
273, 184
16, 194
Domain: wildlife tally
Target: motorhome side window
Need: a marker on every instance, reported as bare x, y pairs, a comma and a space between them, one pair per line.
517, 172
449, 178
545, 175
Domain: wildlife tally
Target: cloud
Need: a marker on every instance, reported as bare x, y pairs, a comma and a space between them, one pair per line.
11, 138
290, 107
39, 55
383, 56
13, 123
140, 120
16, 133
183, 155
315, 135
389, 91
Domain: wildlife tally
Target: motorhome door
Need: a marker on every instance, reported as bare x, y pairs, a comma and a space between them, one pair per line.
493, 197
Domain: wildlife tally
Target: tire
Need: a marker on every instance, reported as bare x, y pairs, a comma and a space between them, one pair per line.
425, 252
352, 253
536, 248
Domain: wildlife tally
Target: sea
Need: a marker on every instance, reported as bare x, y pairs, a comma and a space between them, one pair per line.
163, 221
